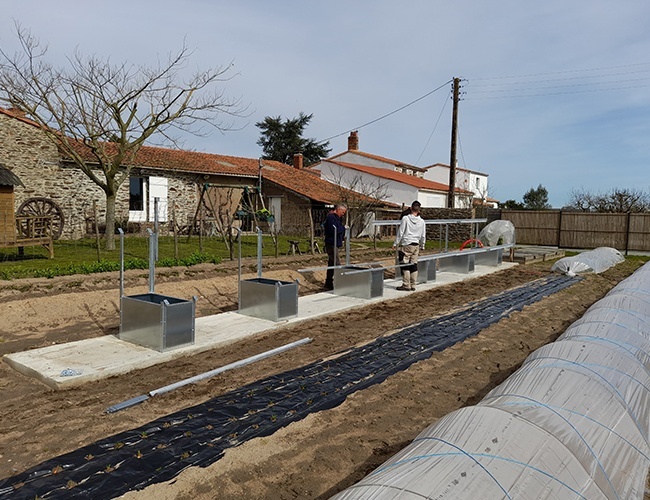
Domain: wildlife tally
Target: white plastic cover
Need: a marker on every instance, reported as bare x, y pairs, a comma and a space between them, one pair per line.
597, 260
495, 230
572, 422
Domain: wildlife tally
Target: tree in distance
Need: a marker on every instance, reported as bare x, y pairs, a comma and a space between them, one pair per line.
617, 200
280, 140
534, 199
99, 114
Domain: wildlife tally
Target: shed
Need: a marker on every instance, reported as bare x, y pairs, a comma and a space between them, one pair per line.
19, 232
7, 218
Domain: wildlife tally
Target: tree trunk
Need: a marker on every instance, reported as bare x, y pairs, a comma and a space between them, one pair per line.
110, 221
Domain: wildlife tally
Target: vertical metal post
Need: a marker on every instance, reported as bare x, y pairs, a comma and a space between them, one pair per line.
152, 262
155, 225
119, 230
347, 245
259, 252
239, 270
446, 236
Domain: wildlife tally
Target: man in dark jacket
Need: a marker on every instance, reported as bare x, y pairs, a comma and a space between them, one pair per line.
334, 234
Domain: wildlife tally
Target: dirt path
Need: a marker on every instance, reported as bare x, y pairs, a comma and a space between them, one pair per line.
312, 458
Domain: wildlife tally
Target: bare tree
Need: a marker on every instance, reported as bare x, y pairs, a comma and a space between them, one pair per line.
99, 114
615, 201
361, 196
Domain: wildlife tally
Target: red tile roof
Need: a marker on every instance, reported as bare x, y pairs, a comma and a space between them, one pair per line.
457, 168
376, 157
18, 115
411, 180
305, 182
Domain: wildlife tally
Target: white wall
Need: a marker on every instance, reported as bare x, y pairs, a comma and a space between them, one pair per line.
397, 192
465, 179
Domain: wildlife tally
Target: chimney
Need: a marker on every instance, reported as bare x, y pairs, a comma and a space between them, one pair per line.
297, 161
353, 141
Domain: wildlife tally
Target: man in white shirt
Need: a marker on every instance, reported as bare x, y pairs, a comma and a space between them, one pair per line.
411, 237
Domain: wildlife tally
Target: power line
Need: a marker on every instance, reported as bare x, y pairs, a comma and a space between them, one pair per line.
444, 106
387, 114
563, 79
559, 86
559, 93
563, 72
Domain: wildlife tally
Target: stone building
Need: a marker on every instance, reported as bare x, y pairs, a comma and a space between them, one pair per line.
184, 184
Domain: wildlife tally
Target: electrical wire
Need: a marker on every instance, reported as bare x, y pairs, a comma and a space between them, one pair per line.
527, 87
565, 72
387, 114
444, 106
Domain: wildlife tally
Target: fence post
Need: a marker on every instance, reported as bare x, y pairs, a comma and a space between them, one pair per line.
559, 229
627, 232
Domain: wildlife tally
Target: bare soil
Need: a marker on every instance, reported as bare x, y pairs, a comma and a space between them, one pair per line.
313, 458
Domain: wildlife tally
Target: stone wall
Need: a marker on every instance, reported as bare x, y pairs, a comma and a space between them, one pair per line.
457, 232
25, 151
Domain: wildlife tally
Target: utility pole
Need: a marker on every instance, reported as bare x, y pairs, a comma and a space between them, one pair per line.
454, 133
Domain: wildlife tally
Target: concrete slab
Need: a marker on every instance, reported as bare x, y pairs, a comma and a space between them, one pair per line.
76, 363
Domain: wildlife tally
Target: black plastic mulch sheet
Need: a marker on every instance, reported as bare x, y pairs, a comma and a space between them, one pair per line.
199, 435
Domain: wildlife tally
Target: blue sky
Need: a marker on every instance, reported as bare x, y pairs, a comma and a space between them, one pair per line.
555, 93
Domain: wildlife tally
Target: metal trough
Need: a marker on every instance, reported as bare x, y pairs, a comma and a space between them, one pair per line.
152, 320
364, 282
157, 321
458, 263
426, 270
489, 257
268, 298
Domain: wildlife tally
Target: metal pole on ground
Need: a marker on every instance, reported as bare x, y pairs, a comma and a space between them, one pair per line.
259, 252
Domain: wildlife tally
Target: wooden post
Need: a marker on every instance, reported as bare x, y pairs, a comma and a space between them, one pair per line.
627, 233
311, 232
454, 134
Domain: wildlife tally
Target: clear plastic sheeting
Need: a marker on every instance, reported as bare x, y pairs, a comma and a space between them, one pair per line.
596, 260
503, 230
572, 422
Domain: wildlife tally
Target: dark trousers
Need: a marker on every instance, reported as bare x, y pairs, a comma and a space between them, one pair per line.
332, 260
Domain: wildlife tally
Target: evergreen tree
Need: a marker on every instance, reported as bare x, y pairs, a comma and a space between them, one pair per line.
536, 199
280, 140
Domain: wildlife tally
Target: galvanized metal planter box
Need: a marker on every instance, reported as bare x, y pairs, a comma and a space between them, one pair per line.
364, 282
457, 263
426, 270
157, 321
489, 257
268, 298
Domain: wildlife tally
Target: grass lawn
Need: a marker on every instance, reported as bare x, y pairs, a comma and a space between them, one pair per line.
81, 256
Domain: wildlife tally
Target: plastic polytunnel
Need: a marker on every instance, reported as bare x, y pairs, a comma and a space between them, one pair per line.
503, 230
597, 260
572, 422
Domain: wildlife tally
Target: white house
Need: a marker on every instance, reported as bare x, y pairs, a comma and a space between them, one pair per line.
469, 180
387, 179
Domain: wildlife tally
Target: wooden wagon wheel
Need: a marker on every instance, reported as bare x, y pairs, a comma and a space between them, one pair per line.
41, 207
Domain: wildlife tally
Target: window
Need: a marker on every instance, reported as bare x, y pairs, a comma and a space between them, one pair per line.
136, 193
